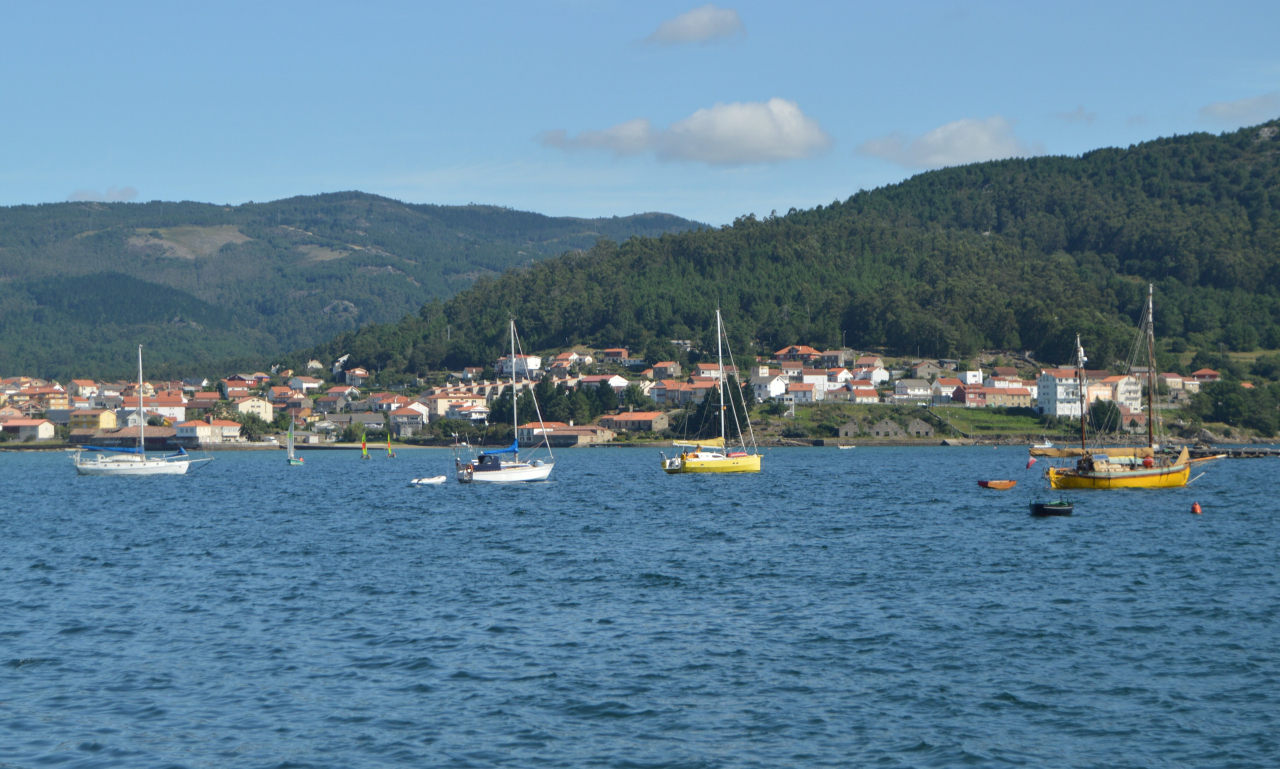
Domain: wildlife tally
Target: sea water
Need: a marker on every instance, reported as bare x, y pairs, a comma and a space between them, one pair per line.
872, 607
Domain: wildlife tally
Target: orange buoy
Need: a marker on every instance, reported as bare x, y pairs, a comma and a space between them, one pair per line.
1195, 508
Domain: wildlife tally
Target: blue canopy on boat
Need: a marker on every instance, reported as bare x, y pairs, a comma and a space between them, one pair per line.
514, 448
181, 452
131, 450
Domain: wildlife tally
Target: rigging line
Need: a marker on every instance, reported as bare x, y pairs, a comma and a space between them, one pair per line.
536, 409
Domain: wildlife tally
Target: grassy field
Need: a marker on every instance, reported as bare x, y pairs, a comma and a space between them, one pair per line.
825, 420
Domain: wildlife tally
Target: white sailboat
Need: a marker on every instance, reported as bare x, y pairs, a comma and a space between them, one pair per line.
134, 461
505, 465
292, 457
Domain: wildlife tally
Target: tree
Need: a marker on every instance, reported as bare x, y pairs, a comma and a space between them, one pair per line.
606, 397
633, 396
1105, 416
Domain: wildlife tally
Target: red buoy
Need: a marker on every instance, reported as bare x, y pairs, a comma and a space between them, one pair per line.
1195, 508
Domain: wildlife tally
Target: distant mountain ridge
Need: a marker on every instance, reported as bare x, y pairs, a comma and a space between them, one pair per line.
81, 283
1012, 254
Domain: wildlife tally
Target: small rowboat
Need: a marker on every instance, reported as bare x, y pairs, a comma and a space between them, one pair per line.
1048, 509
436, 481
998, 485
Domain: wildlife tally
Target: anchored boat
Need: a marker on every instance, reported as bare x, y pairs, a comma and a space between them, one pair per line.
132, 461
710, 456
1137, 467
505, 465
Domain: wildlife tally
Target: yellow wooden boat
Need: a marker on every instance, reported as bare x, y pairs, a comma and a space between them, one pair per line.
1134, 467
1123, 469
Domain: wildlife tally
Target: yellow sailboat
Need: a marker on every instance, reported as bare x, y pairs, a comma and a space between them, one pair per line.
1138, 467
710, 455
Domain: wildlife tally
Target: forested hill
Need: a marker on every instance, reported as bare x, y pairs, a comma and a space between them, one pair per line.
82, 283
1013, 254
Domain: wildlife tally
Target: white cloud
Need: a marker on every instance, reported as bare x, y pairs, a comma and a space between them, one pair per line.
1258, 109
964, 141
726, 134
707, 24
1077, 115
112, 195
629, 138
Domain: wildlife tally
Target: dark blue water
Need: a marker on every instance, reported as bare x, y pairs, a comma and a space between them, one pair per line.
843, 608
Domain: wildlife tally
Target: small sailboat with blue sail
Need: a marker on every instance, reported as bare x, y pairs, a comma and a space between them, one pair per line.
116, 460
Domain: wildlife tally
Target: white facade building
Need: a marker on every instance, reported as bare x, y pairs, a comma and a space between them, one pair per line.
875, 375
1059, 393
525, 365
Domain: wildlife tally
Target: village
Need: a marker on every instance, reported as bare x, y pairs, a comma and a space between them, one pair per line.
330, 404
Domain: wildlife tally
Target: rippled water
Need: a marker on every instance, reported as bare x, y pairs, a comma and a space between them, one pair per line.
843, 608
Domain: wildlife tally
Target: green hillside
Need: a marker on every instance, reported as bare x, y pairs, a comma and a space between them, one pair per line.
1014, 254
82, 283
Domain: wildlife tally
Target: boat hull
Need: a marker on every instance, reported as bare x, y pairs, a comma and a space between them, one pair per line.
1050, 509
144, 467
295, 461
747, 464
1154, 478
521, 473
998, 485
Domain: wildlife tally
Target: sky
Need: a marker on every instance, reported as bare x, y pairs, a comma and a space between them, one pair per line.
599, 108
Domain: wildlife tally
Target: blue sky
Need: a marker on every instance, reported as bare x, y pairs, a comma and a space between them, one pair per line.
592, 108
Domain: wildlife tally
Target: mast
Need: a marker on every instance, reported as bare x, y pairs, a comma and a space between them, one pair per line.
720, 380
515, 396
142, 417
1083, 388
1151, 367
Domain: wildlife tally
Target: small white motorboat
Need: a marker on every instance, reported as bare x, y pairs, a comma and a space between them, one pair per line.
435, 481
846, 448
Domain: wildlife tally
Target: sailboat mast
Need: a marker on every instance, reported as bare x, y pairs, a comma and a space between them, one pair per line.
142, 417
720, 380
1083, 388
1151, 367
515, 396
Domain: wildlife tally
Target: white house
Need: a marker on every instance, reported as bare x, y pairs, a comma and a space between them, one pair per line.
259, 407
30, 429
355, 376
804, 392
942, 387
1059, 393
525, 366
197, 433
818, 378
873, 374
767, 383
1125, 391
906, 390
469, 412
613, 380
864, 395
304, 384
971, 377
